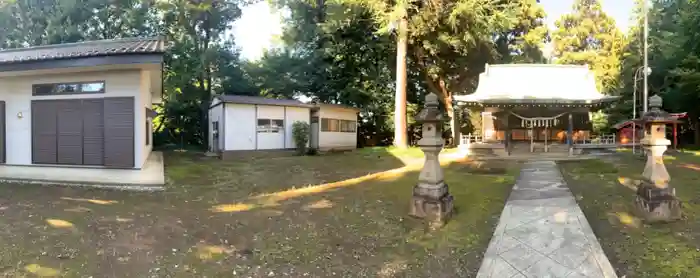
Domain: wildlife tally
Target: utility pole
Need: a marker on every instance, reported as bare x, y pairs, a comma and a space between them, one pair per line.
400, 139
646, 55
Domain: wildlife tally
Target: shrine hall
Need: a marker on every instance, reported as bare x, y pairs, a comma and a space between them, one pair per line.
536, 107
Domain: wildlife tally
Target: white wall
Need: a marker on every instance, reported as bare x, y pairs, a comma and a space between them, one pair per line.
239, 127
216, 113
294, 114
337, 140
240, 121
144, 101
17, 94
266, 140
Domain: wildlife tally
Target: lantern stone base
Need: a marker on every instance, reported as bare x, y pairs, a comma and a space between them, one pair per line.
432, 204
657, 204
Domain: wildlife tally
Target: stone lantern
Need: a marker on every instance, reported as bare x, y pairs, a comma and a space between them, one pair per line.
656, 199
431, 199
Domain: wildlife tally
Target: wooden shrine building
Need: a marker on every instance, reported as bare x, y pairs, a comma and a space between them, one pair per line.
539, 107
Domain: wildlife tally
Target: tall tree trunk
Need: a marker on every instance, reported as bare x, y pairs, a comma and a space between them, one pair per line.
455, 125
400, 127
446, 97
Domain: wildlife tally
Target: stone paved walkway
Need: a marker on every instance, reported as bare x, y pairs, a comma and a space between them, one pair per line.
542, 232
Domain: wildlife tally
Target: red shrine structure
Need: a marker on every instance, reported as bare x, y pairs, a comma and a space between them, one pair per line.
626, 129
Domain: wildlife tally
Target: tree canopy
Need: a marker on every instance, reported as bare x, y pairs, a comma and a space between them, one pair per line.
344, 51
588, 36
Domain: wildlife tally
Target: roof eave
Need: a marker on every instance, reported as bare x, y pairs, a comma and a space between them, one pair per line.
301, 105
583, 102
337, 106
55, 58
89, 61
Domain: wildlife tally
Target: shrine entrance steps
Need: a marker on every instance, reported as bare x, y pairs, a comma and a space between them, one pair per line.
521, 148
522, 151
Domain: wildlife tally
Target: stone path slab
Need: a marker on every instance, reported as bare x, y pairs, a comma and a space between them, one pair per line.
543, 233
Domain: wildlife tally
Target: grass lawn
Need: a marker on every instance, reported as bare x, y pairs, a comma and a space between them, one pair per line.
605, 193
315, 216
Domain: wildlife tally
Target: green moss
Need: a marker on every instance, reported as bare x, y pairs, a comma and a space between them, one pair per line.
637, 249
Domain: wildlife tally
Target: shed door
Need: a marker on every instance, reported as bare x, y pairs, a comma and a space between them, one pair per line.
44, 132
93, 131
313, 142
119, 132
83, 132
69, 129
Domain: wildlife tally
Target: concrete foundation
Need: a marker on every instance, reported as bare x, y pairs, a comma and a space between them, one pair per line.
149, 178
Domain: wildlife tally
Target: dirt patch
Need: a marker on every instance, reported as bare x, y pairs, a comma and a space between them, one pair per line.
215, 220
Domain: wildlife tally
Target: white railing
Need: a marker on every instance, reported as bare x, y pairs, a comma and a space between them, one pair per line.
467, 139
605, 139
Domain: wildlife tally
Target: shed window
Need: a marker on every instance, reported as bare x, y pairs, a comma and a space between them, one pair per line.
335, 125
68, 88
270, 125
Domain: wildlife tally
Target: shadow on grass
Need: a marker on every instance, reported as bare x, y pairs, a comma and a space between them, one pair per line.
606, 194
355, 230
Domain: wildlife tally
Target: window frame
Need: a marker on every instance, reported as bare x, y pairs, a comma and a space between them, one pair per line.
269, 127
325, 125
352, 126
79, 85
215, 128
341, 126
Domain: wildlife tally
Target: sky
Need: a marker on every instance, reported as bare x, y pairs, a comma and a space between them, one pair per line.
259, 25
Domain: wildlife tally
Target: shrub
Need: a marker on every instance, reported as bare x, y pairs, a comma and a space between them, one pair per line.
312, 151
300, 133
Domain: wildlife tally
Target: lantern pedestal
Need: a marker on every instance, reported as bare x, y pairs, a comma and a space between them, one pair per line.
656, 199
431, 199
437, 211
658, 204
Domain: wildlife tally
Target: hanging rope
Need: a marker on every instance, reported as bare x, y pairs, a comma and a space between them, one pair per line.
538, 121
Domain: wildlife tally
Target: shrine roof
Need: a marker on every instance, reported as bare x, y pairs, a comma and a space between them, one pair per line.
527, 84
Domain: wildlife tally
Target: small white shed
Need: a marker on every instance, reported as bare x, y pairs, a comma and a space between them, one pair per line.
334, 127
249, 123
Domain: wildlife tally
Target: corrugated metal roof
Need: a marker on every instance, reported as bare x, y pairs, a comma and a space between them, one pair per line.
262, 101
83, 50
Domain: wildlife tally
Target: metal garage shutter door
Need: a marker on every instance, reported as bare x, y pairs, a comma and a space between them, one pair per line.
44, 132
70, 132
93, 132
119, 132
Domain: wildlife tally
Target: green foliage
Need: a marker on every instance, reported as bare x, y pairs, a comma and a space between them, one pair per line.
588, 36
673, 32
343, 51
300, 134
599, 122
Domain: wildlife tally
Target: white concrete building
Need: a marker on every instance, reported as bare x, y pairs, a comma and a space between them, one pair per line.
247, 123
81, 112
